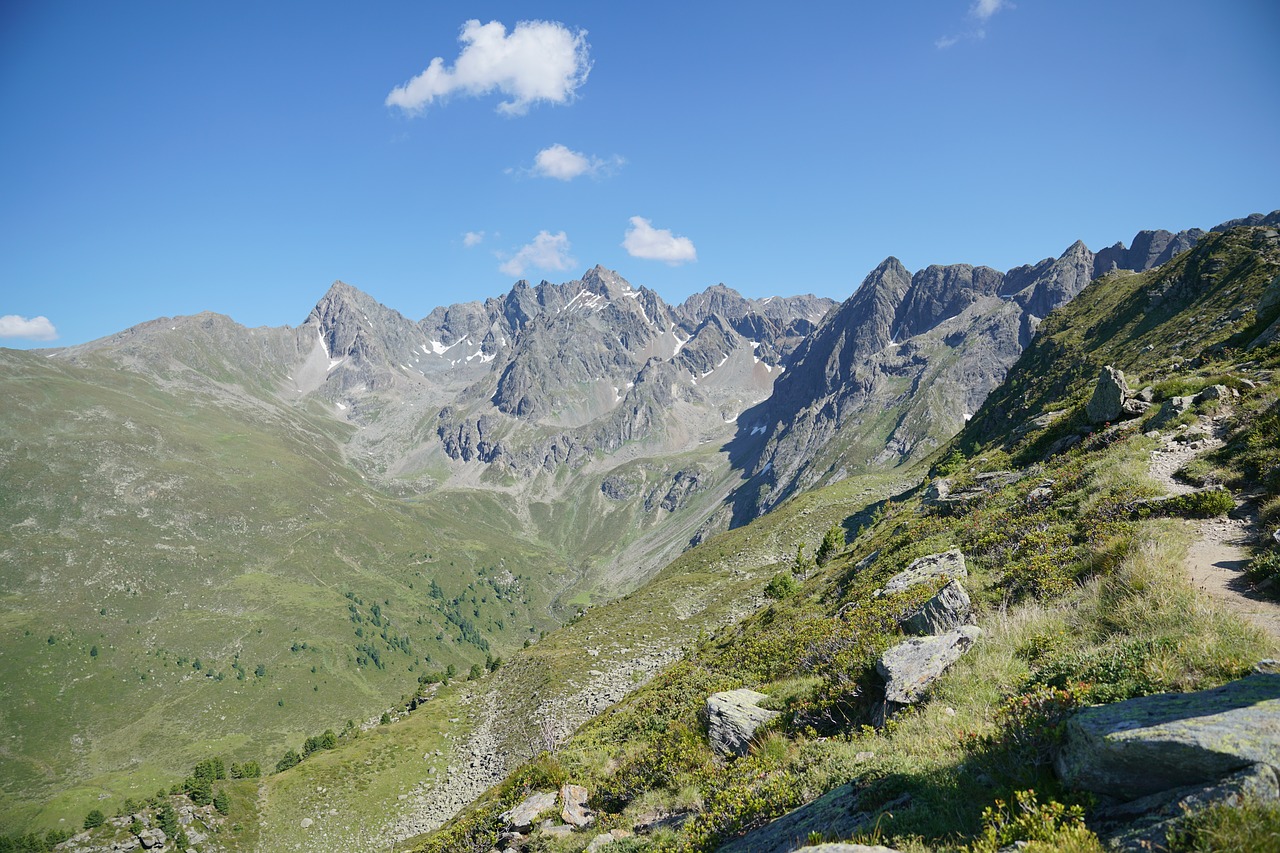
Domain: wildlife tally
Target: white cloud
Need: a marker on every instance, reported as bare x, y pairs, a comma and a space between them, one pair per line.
984, 9
657, 244
547, 252
472, 238
565, 164
981, 11
35, 329
539, 61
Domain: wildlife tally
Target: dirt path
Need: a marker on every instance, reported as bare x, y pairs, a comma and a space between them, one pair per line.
1218, 554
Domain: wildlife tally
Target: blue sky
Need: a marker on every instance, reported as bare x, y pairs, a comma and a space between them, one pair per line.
172, 157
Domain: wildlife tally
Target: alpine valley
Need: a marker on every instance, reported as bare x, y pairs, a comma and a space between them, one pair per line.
380, 583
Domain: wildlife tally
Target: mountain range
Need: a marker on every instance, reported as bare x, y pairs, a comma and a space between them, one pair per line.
361, 500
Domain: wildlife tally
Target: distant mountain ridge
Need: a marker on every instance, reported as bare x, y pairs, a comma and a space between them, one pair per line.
902, 364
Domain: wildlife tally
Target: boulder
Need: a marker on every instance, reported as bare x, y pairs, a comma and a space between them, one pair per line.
734, 716
949, 608
605, 838
1153, 743
840, 812
152, 838
1170, 410
948, 564
573, 805
1146, 823
910, 668
849, 848
522, 816
1213, 392
1108, 398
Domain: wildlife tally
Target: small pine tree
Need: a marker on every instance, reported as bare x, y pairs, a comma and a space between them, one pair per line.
386, 718
222, 802
832, 541
93, 652
94, 819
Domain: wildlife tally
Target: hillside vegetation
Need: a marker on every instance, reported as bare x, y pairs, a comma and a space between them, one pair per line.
1081, 601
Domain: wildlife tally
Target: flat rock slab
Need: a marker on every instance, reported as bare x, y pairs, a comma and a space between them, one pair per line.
1147, 823
837, 812
523, 815
734, 716
949, 608
949, 564
910, 668
1153, 743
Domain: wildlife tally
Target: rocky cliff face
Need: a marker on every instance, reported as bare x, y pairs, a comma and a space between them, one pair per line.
906, 360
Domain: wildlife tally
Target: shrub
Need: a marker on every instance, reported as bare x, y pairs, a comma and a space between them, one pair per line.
1050, 826
782, 585
94, 819
1265, 567
1029, 729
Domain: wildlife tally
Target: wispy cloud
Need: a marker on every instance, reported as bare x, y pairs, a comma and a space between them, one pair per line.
642, 240
538, 61
547, 252
981, 11
984, 9
564, 164
33, 329
472, 238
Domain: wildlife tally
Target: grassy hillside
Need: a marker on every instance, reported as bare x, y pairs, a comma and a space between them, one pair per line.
182, 578
1079, 600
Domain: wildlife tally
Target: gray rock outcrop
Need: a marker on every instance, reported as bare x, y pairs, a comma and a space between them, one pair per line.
949, 608
1109, 396
573, 805
948, 564
734, 716
910, 668
1153, 743
1147, 822
522, 816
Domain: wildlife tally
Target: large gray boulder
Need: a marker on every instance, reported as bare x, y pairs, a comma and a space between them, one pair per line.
841, 812
522, 816
949, 608
910, 668
733, 717
1147, 822
948, 564
1153, 743
1107, 402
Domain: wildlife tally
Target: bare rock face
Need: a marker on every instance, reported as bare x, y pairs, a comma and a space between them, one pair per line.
523, 815
949, 564
573, 805
1109, 395
734, 717
910, 668
1153, 743
949, 608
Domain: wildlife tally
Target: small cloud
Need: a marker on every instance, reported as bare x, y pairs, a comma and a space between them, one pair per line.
547, 252
34, 329
984, 9
565, 164
472, 238
657, 244
539, 61
981, 11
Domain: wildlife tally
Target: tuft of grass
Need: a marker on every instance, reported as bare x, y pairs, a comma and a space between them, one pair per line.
1251, 825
